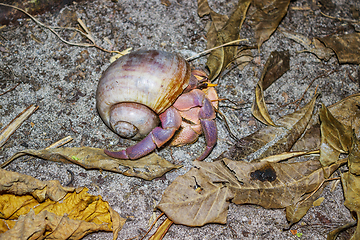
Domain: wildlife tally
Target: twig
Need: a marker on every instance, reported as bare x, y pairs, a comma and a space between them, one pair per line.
214, 48
318, 187
87, 34
152, 225
10, 89
312, 81
340, 19
9, 129
54, 145
227, 125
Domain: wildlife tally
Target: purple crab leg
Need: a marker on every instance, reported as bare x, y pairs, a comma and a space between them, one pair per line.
207, 116
197, 98
170, 122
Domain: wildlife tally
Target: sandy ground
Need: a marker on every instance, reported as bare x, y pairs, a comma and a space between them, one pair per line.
62, 79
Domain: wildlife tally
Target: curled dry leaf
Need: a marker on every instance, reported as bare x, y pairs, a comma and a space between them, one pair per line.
203, 194
273, 140
148, 167
335, 137
351, 184
297, 211
219, 59
346, 47
345, 111
276, 65
34, 209
267, 17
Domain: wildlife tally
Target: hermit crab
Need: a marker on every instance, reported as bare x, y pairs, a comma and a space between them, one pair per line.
146, 95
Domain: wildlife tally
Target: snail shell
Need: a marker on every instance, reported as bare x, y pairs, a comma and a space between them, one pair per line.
139, 86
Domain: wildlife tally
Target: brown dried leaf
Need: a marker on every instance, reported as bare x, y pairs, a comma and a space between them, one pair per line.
202, 195
219, 59
267, 17
273, 140
351, 185
243, 57
354, 157
20, 184
297, 211
345, 111
346, 47
218, 21
335, 137
37, 209
148, 167
276, 65
194, 199
203, 8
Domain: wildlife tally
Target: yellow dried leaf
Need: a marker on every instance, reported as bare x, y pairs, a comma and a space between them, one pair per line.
48, 208
318, 201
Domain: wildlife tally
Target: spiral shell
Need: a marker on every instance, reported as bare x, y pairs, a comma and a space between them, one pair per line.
150, 78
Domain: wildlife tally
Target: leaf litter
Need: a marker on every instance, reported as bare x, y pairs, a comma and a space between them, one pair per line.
148, 167
36, 209
226, 178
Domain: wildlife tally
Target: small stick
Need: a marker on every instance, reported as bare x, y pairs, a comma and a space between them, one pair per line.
312, 81
87, 35
340, 19
10, 89
54, 145
152, 225
9, 129
318, 187
214, 48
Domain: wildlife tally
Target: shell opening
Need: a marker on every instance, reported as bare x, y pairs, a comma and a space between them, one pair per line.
125, 129
132, 120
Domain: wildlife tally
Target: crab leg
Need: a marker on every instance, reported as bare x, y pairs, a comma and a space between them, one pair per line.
197, 98
170, 122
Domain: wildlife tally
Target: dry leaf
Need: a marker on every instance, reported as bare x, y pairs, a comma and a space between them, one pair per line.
203, 8
267, 17
354, 157
243, 57
276, 65
318, 201
33, 209
219, 59
346, 47
148, 167
297, 211
273, 140
335, 137
218, 21
351, 185
345, 111
203, 194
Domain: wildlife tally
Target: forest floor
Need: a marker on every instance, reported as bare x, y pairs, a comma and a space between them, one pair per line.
61, 79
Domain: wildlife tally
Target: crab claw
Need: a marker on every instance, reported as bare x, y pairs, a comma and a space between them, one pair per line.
170, 122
